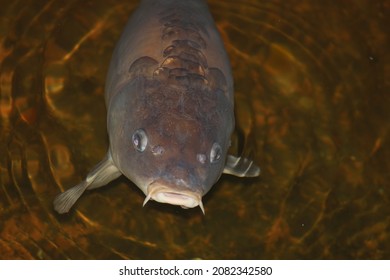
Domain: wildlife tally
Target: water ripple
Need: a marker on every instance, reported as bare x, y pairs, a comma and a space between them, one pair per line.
310, 82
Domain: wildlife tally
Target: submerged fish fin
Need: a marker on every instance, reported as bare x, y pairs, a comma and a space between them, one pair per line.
241, 167
64, 201
103, 173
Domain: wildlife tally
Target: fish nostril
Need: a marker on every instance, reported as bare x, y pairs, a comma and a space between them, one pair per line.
201, 158
158, 150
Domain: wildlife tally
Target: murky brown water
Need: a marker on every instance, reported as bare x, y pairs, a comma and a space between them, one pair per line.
312, 101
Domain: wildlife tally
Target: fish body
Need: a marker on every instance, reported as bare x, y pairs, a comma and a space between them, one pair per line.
170, 107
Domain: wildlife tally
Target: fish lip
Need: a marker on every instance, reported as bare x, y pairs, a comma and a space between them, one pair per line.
164, 192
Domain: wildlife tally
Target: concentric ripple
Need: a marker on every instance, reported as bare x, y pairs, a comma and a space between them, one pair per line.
311, 109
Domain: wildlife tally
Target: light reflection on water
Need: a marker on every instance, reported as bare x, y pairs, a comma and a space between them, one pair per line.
310, 83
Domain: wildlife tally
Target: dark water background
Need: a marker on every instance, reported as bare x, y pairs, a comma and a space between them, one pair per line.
312, 108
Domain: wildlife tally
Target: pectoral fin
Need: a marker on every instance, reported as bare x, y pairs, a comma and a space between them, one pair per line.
241, 167
103, 173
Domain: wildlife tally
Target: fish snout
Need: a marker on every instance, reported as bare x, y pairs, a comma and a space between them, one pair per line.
183, 174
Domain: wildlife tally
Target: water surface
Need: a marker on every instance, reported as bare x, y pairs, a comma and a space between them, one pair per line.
312, 109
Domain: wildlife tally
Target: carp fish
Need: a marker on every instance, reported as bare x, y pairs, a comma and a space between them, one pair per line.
170, 108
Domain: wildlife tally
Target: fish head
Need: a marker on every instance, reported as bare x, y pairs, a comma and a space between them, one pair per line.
172, 142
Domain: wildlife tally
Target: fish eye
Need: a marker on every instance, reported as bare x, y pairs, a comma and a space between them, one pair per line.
140, 140
215, 153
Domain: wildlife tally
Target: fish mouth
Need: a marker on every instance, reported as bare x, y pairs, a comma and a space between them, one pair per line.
175, 195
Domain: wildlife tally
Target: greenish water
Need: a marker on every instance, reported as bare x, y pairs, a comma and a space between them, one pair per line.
312, 109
